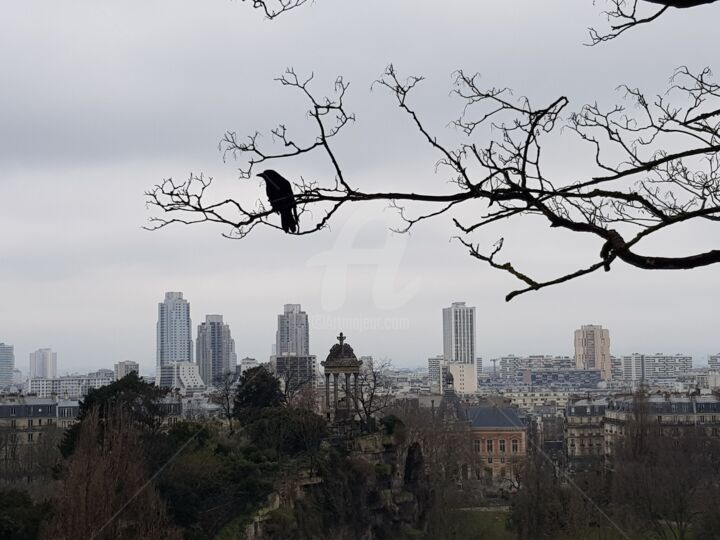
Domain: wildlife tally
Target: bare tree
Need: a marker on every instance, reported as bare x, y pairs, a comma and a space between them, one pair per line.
626, 14
374, 392
105, 491
224, 395
274, 8
655, 166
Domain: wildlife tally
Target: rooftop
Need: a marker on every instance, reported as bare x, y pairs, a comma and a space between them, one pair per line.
494, 417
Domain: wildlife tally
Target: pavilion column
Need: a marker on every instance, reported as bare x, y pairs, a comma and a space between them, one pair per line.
335, 380
347, 391
327, 391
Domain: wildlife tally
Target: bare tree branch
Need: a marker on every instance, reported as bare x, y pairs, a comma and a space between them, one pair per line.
625, 14
656, 165
274, 8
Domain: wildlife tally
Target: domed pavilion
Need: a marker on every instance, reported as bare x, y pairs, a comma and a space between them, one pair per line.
341, 361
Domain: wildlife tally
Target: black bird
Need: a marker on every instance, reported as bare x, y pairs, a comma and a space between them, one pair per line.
282, 200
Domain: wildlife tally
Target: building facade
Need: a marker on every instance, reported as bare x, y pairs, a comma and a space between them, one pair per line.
43, 364
7, 364
672, 414
499, 441
293, 332
434, 373
714, 362
592, 349
215, 350
124, 368
459, 333
584, 430
174, 332
295, 371
183, 377
639, 368
465, 381
72, 386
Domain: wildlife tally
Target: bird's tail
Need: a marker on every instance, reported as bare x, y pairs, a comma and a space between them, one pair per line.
288, 220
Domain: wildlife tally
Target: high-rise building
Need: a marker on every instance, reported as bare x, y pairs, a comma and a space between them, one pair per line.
215, 349
592, 349
435, 373
174, 332
7, 364
459, 333
714, 362
293, 332
43, 364
125, 368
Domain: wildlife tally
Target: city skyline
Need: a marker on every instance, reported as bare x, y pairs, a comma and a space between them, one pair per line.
146, 367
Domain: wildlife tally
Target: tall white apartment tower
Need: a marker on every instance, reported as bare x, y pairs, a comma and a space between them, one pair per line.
7, 364
43, 364
215, 349
293, 333
459, 333
592, 349
174, 332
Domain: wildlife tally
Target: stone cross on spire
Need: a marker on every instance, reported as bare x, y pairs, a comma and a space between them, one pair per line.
341, 338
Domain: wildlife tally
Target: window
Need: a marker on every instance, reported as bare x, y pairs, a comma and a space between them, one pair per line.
13, 423
502, 459
30, 422
514, 446
30, 437
489, 446
489, 460
501, 444
12, 411
476, 446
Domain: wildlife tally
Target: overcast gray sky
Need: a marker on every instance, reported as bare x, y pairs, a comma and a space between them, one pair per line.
101, 100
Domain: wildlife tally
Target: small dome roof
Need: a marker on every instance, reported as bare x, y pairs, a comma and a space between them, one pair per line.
342, 354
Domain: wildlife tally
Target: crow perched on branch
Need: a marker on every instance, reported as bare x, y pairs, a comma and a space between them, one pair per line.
282, 200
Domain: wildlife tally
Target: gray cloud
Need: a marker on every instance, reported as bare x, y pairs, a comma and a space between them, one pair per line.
101, 101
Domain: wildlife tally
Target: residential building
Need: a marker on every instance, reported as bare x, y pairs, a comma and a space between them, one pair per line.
673, 414
584, 431
295, 371
215, 350
174, 332
71, 386
592, 349
124, 368
638, 368
499, 441
714, 362
43, 364
245, 364
434, 373
7, 364
562, 378
464, 376
17, 377
459, 333
183, 377
293, 332
512, 366
532, 400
